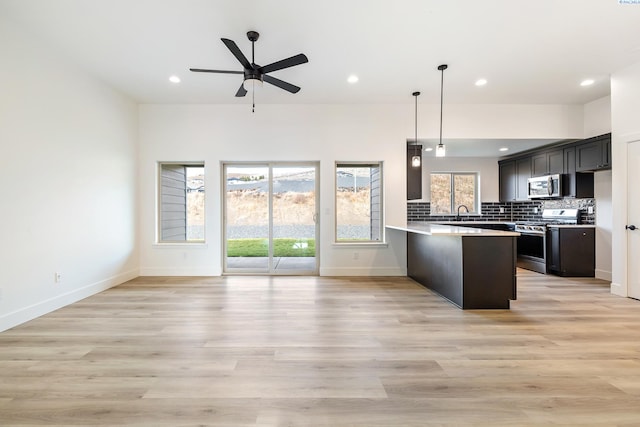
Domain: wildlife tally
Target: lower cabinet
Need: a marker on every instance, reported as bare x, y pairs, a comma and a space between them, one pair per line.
571, 251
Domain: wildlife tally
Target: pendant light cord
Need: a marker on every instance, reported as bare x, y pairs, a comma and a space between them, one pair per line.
415, 141
442, 68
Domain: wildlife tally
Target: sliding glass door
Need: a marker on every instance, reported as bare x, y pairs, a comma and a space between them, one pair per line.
270, 218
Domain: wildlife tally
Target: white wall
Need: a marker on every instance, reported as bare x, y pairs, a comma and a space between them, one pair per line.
597, 117
68, 179
625, 127
274, 133
597, 121
487, 167
604, 224
324, 133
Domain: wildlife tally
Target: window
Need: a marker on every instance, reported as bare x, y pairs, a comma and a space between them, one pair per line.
451, 190
359, 202
181, 204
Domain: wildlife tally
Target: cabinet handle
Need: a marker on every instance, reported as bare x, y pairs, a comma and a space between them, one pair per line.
630, 227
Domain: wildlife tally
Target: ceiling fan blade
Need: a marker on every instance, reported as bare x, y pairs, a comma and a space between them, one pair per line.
285, 63
233, 47
200, 70
241, 91
281, 84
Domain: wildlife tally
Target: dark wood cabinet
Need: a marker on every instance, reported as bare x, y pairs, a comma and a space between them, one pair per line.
523, 173
594, 154
513, 177
555, 161
571, 251
547, 163
539, 165
507, 178
575, 184
576, 161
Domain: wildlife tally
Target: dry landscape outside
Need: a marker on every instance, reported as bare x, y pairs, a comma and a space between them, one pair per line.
248, 209
464, 192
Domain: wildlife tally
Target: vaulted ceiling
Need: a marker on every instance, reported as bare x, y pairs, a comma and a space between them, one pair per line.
530, 52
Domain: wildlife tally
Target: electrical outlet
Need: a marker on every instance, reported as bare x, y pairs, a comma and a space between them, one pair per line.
590, 210
501, 210
58, 277
535, 210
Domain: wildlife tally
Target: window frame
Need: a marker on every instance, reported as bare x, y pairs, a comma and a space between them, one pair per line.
477, 205
381, 230
159, 195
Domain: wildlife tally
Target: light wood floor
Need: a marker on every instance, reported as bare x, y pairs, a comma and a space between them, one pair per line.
317, 351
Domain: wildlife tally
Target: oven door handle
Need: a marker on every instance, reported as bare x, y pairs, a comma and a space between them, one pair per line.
550, 185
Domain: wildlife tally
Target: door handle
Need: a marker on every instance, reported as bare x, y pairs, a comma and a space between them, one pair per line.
630, 227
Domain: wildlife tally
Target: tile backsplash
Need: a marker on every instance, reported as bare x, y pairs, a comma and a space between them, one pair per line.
514, 211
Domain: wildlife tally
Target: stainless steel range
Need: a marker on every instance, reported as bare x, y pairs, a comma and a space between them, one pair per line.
532, 242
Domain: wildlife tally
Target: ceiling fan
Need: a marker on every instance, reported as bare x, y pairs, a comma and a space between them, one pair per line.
254, 73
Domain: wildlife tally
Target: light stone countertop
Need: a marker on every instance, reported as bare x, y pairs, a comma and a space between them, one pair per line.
571, 226
449, 230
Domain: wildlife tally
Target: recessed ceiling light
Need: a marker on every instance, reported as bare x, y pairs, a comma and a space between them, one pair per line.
428, 149
481, 82
353, 79
504, 149
174, 79
587, 82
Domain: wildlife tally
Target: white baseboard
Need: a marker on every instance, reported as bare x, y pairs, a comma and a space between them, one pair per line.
603, 275
365, 272
618, 289
33, 311
180, 271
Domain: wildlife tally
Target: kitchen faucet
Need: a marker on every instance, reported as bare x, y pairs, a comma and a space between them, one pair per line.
465, 208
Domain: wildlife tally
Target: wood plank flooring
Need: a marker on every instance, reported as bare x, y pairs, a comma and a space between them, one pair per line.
319, 351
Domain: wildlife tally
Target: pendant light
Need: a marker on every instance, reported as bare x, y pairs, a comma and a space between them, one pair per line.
416, 159
440, 149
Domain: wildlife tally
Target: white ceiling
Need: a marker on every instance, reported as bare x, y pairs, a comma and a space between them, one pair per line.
531, 52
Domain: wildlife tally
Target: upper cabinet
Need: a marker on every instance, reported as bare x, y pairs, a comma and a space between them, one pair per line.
508, 180
594, 154
547, 163
514, 176
575, 184
575, 161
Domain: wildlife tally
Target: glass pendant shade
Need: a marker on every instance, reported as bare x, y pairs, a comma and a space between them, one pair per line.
415, 161
441, 151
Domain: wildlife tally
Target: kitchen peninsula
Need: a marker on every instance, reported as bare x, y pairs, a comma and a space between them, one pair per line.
474, 268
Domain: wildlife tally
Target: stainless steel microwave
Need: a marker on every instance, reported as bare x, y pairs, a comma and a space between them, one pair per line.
542, 187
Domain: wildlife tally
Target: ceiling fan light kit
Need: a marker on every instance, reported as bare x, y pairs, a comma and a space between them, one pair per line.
254, 74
